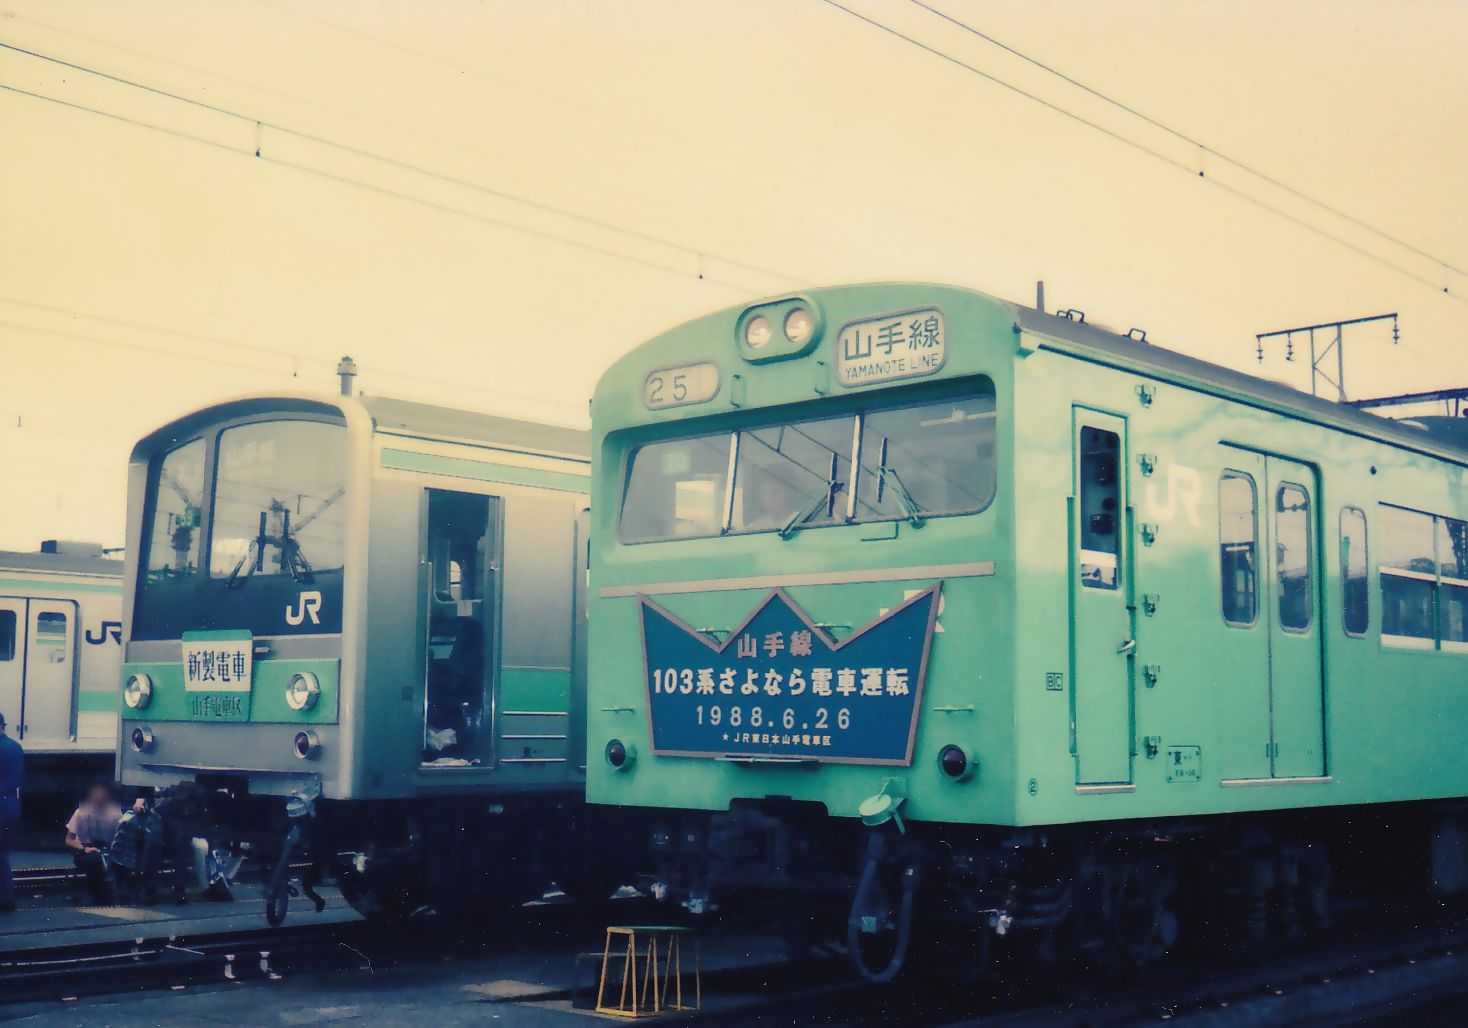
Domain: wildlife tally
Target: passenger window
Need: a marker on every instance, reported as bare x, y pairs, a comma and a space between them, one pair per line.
7, 634
1452, 555
1238, 548
1292, 556
1100, 508
1408, 569
1355, 596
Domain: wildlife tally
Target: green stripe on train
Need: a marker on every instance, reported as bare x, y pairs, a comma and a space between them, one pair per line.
535, 688
266, 698
459, 467
96, 701
52, 585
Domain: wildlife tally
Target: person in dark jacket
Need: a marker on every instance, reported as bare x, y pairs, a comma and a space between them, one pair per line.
12, 776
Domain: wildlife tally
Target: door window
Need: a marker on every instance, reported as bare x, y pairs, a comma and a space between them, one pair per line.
1100, 499
7, 634
1238, 548
1355, 596
1293, 557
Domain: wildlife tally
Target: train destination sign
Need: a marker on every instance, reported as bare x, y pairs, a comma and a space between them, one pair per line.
217, 667
894, 346
779, 686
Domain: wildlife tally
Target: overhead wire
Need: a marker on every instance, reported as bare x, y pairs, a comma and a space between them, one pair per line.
1199, 144
1147, 150
249, 120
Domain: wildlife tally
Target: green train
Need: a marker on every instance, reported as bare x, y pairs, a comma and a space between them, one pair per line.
967, 615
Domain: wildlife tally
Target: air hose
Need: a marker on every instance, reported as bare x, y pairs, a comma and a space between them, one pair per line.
876, 843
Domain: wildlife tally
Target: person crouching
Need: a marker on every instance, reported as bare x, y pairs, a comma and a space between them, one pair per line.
89, 834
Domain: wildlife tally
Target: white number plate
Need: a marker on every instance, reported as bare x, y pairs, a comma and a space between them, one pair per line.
678, 387
218, 661
905, 345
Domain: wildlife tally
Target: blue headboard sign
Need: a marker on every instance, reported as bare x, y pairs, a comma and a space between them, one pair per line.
780, 687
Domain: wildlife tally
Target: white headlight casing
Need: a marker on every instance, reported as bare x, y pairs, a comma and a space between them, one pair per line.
758, 333
799, 325
302, 690
137, 693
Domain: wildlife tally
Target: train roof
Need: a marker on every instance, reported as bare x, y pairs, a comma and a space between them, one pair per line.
1443, 437
60, 564
388, 415
425, 420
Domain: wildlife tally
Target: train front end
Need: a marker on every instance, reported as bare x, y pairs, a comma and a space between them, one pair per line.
246, 554
801, 588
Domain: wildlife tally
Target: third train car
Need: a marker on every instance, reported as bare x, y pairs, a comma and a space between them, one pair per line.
984, 623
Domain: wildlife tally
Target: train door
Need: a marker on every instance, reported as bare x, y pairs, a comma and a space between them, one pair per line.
1101, 616
1296, 684
50, 671
1241, 675
462, 625
1272, 686
12, 661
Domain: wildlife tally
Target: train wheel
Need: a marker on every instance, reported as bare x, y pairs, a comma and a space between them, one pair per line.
377, 897
1143, 922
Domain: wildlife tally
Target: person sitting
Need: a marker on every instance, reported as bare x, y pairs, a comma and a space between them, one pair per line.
89, 835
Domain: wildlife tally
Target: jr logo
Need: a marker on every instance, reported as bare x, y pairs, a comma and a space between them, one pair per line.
106, 630
1184, 492
307, 605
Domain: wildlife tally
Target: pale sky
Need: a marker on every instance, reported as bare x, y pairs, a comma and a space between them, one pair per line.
763, 144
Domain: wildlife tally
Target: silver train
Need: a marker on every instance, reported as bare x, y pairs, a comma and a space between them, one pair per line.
360, 624
60, 654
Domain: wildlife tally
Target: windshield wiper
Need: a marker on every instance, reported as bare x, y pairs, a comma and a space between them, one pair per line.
818, 502
256, 549
911, 509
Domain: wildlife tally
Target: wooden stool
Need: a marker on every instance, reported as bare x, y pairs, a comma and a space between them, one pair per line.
648, 976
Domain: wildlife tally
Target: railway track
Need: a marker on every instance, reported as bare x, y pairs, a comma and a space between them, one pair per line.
1337, 979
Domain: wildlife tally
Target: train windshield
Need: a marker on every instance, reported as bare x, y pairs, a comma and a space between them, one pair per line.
275, 520
277, 501
916, 461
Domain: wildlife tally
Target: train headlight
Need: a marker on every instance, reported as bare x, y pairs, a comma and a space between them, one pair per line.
620, 755
306, 745
955, 763
799, 325
302, 691
141, 739
138, 692
757, 332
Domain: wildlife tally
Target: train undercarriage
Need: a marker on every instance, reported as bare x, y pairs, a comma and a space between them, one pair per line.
465, 857
1113, 896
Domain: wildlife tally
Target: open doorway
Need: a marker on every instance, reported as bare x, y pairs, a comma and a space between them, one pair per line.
463, 546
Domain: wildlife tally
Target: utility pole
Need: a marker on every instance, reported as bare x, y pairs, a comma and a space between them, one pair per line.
1332, 341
